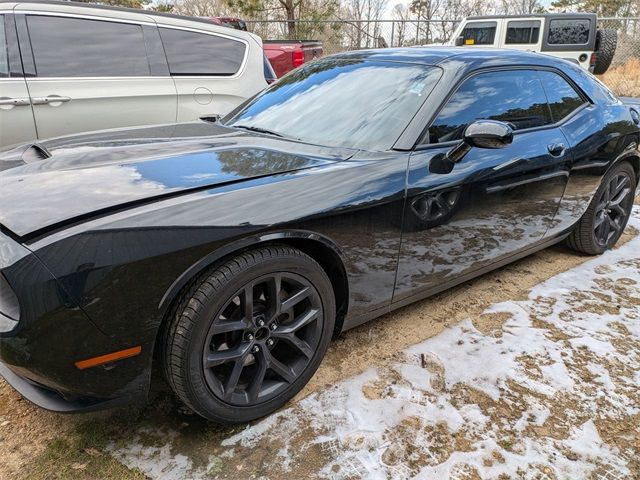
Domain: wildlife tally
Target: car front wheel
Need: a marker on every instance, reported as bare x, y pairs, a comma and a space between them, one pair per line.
249, 334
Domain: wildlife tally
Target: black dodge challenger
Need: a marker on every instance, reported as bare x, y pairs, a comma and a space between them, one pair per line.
226, 253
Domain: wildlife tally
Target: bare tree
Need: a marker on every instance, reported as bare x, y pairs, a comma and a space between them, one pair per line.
521, 7
367, 14
202, 8
401, 13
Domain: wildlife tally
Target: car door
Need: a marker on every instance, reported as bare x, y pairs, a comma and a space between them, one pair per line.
92, 73
495, 203
207, 69
16, 117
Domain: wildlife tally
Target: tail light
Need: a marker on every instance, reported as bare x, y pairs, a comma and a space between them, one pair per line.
594, 60
9, 307
298, 58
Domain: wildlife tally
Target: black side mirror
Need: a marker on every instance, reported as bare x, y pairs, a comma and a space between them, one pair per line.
480, 134
460, 41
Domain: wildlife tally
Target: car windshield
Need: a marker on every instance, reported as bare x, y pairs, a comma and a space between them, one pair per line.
342, 103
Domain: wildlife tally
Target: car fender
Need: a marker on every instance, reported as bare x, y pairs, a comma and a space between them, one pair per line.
236, 246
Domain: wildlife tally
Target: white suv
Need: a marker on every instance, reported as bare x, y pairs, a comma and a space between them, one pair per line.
572, 36
68, 67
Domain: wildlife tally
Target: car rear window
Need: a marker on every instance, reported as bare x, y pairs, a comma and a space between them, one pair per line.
77, 47
192, 53
523, 32
563, 98
479, 33
515, 97
569, 32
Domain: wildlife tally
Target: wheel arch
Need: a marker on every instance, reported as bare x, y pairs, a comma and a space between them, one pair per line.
322, 249
631, 156
635, 163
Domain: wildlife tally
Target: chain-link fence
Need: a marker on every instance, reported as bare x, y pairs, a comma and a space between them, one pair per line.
623, 77
343, 35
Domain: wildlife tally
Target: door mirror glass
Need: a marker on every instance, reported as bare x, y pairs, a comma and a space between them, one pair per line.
460, 41
488, 134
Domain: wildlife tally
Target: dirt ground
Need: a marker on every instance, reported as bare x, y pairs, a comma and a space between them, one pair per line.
38, 444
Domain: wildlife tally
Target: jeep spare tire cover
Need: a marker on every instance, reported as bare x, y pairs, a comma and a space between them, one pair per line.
606, 42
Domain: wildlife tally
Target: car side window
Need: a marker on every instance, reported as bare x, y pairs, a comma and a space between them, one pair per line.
4, 52
78, 47
523, 32
479, 33
192, 53
563, 98
569, 32
514, 96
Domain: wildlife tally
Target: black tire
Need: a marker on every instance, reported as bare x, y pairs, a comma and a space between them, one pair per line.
606, 42
611, 205
292, 312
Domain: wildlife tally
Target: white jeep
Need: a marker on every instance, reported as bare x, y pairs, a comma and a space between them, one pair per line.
572, 36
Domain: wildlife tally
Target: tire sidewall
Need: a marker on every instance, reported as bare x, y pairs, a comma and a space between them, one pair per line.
201, 399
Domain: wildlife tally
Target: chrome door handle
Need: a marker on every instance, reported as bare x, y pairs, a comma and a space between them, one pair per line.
14, 102
50, 99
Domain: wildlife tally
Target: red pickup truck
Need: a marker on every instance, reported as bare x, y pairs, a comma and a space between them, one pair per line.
285, 55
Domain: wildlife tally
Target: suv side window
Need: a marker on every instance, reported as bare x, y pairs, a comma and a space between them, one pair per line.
569, 32
479, 33
4, 52
523, 32
563, 98
192, 53
513, 96
77, 47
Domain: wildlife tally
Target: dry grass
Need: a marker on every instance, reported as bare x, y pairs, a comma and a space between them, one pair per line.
624, 79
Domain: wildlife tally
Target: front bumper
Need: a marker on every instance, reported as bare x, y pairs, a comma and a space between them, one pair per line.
56, 402
38, 355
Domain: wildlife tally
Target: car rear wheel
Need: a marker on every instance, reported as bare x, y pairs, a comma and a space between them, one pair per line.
604, 221
249, 334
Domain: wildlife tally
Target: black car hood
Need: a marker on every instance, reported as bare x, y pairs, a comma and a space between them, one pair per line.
51, 183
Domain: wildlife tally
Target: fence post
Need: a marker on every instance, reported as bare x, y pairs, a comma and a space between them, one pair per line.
393, 28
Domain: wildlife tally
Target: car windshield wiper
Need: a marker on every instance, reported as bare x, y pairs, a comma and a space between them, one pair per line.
258, 129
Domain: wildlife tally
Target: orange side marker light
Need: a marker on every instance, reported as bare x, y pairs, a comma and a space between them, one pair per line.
108, 358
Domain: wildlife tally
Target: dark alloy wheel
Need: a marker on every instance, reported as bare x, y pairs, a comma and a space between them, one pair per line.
262, 339
613, 209
249, 334
604, 221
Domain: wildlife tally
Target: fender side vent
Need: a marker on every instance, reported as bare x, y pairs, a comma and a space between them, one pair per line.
35, 153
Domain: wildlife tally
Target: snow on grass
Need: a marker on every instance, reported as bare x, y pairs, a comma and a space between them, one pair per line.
552, 394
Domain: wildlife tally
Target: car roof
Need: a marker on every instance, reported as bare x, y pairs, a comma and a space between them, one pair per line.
150, 13
443, 55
